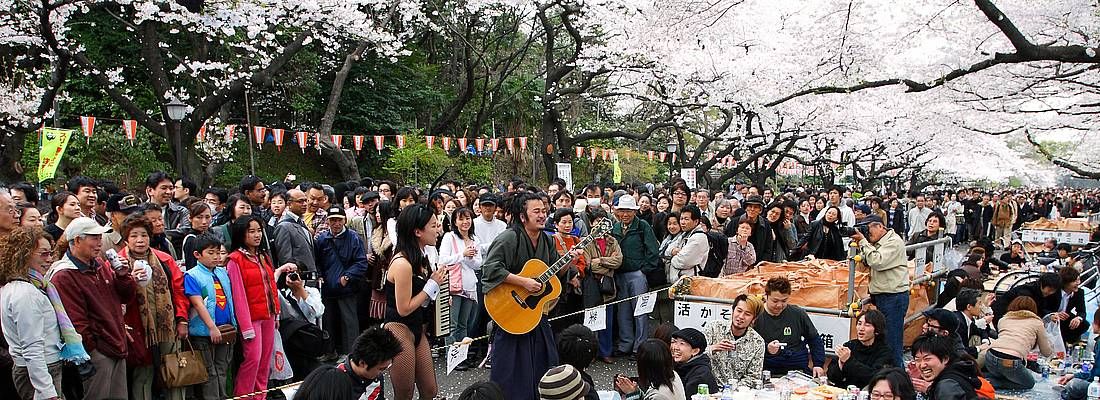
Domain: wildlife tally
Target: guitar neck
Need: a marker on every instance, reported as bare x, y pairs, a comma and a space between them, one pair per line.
565, 260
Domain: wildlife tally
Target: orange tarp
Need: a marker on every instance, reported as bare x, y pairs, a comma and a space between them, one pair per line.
1061, 224
816, 283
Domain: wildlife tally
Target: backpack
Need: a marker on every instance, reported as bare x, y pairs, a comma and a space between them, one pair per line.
716, 258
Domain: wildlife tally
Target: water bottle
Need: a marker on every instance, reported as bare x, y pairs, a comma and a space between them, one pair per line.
1094, 389
727, 393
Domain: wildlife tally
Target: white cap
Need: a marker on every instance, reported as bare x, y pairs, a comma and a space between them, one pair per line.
84, 226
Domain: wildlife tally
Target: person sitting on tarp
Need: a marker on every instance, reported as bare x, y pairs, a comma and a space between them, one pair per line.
791, 337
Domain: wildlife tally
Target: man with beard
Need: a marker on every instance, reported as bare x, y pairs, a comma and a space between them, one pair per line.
737, 351
692, 363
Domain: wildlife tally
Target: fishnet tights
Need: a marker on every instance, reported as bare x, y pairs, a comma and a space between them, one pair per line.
413, 366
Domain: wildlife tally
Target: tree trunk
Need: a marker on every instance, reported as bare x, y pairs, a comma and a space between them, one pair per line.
10, 155
548, 138
346, 162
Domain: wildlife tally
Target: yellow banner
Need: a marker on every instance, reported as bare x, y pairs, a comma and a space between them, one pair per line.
54, 143
618, 174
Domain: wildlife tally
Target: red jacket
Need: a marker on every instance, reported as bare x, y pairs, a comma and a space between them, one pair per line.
175, 278
255, 296
93, 296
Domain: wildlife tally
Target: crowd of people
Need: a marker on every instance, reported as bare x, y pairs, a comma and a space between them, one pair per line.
101, 284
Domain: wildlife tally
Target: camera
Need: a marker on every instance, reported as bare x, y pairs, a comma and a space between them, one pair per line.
300, 275
849, 231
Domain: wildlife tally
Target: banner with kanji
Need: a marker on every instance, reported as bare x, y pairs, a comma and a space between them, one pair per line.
54, 143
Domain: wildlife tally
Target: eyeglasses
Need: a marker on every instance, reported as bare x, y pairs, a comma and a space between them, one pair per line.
882, 396
45, 254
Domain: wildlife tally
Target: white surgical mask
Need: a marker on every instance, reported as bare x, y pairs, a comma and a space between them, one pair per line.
593, 201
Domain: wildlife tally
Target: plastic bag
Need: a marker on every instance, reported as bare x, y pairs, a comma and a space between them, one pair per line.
1054, 334
280, 367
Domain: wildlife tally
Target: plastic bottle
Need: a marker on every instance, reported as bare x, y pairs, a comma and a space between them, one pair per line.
702, 392
727, 393
1094, 389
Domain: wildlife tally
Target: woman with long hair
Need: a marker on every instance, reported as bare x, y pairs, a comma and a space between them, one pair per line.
824, 240
255, 301
656, 375
459, 253
36, 328
158, 315
782, 240
373, 308
410, 284
236, 207
859, 358
64, 208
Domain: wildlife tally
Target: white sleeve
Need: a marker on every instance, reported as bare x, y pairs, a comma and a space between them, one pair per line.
447, 255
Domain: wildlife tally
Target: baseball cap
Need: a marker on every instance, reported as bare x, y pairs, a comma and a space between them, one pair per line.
84, 226
336, 212
488, 198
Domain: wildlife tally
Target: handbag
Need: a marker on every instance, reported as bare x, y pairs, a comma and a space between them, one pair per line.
182, 368
229, 333
454, 271
607, 285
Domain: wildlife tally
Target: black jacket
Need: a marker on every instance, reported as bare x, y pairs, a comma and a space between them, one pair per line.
966, 330
863, 363
959, 381
829, 245
697, 371
1000, 305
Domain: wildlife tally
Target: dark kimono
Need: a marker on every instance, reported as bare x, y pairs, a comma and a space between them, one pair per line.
519, 361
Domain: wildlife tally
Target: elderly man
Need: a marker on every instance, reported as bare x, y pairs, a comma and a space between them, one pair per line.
343, 263
92, 291
883, 252
639, 247
8, 221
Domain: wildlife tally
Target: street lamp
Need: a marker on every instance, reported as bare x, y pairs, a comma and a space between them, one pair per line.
672, 146
176, 110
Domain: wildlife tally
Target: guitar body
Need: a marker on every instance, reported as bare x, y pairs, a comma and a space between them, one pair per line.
516, 310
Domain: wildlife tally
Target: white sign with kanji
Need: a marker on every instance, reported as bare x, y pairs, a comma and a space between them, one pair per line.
689, 177
645, 304
457, 353
833, 330
596, 318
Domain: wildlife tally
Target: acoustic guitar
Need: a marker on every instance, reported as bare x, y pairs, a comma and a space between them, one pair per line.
518, 311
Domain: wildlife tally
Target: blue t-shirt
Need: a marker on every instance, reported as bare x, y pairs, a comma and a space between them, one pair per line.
192, 287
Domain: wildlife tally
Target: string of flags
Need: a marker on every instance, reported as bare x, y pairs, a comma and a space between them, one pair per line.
260, 135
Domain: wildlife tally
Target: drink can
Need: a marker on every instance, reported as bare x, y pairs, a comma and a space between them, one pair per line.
1086, 367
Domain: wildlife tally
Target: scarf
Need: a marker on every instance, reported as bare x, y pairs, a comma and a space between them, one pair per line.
155, 304
73, 350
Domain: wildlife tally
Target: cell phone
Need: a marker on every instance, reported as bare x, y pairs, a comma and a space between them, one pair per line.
291, 177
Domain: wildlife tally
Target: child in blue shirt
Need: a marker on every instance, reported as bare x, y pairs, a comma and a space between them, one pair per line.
207, 287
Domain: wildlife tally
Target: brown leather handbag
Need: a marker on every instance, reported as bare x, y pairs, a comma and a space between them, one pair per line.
182, 368
229, 333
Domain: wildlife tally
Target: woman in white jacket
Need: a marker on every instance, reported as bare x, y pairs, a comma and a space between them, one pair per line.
39, 333
458, 252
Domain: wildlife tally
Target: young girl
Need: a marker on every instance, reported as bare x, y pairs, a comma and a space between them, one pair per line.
409, 285
458, 253
255, 301
208, 288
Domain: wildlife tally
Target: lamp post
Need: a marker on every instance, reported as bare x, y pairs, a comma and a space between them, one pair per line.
176, 110
673, 145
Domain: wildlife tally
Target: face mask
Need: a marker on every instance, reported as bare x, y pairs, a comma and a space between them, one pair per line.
593, 201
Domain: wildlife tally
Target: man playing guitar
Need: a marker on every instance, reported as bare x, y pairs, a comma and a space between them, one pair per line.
521, 360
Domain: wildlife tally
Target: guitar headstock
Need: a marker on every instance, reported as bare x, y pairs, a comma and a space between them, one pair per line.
601, 228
